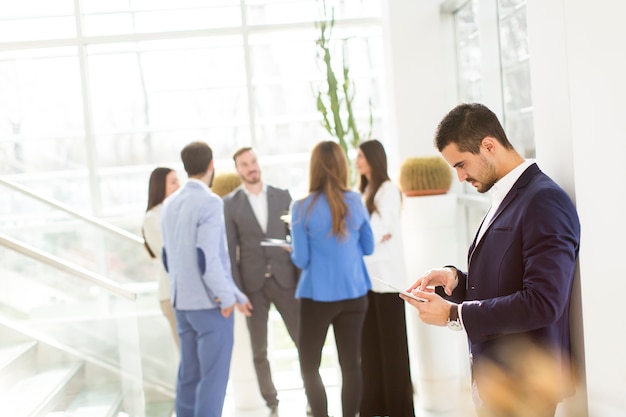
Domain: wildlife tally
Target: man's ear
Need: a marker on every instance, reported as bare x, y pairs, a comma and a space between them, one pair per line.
489, 144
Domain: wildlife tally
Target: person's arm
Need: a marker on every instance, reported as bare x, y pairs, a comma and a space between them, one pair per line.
299, 237
233, 240
152, 232
366, 235
288, 208
549, 246
210, 235
388, 204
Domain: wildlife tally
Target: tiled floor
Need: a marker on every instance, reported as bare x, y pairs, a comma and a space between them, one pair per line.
293, 404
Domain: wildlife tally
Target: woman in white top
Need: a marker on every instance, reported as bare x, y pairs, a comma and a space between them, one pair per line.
387, 389
163, 182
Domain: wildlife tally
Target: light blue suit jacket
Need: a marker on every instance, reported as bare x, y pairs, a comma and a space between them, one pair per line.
195, 251
332, 268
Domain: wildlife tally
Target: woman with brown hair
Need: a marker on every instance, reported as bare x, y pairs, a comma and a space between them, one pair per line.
163, 182
387, 389
330, 235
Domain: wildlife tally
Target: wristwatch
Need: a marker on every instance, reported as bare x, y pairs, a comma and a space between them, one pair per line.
454, 322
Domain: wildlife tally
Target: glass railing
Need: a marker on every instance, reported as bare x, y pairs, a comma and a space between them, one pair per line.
116, 330
75, 237
107, 251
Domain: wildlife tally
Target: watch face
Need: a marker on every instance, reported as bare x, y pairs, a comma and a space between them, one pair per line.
454, 325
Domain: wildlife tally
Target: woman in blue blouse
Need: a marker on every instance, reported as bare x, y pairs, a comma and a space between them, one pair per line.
330, 235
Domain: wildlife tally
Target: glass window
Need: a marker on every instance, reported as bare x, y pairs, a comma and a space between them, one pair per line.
469, 56
516, 92
42, 131
28, 20
514, 89
143, 16
263, 12
136, 80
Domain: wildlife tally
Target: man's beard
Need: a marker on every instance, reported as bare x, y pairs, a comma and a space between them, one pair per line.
251, 182
211, 180
488, 172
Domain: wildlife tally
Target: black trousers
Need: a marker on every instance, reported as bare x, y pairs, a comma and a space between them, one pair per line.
347, 318
387, 388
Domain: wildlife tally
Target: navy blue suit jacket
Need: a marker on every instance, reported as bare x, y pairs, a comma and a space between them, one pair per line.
520, 273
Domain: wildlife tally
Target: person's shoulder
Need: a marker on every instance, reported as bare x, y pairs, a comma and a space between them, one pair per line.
234, 194
388, 189
353, 196
154, 211
277, 190
304, 202
389, 185
153, 215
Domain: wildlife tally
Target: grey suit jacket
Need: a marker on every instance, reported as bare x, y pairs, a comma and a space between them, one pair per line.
249, 260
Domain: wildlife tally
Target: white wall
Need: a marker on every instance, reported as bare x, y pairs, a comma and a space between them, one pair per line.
578, 67
414, 70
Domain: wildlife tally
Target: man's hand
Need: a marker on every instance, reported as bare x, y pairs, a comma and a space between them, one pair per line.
246, 308
435, 310
226, 312
438, 277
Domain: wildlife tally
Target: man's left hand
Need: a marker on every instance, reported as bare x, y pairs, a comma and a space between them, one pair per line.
435, 310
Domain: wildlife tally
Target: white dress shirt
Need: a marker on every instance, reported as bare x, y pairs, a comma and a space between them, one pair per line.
258, 202
499, 190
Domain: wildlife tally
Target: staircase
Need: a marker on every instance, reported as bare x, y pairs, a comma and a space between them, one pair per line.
81, 330
39, 380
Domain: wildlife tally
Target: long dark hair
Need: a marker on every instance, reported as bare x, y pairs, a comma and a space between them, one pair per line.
376, 157
328, 174
156, 195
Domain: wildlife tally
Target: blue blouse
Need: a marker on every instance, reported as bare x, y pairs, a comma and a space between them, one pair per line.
332, 266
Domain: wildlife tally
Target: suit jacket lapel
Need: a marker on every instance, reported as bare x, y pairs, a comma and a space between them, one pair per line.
247, 210
521, 182
271, 208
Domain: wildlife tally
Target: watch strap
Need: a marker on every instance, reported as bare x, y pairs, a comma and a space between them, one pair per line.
454, 313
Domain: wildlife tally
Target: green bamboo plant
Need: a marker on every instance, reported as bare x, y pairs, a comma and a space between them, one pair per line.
335, 102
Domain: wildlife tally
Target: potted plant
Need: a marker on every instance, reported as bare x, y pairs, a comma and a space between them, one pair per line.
425, 175
225, 182
335, 99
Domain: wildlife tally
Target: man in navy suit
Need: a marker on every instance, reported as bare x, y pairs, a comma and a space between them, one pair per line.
513, 301
195, 254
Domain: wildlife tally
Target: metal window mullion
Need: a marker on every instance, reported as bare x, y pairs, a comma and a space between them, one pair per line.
90, 143
248, 65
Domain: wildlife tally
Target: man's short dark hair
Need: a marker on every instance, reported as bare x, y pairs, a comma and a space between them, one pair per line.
196, 158
240, 151
467, 125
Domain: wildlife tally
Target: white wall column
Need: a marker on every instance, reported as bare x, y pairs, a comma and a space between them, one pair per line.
417, 96
578, 62
430, 241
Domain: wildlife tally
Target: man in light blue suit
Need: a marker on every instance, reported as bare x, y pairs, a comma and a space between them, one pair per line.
204, 295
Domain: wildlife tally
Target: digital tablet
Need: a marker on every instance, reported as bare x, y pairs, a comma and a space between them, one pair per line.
275, 242
401, 291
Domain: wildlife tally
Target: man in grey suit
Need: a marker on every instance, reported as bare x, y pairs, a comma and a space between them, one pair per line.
265, 274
